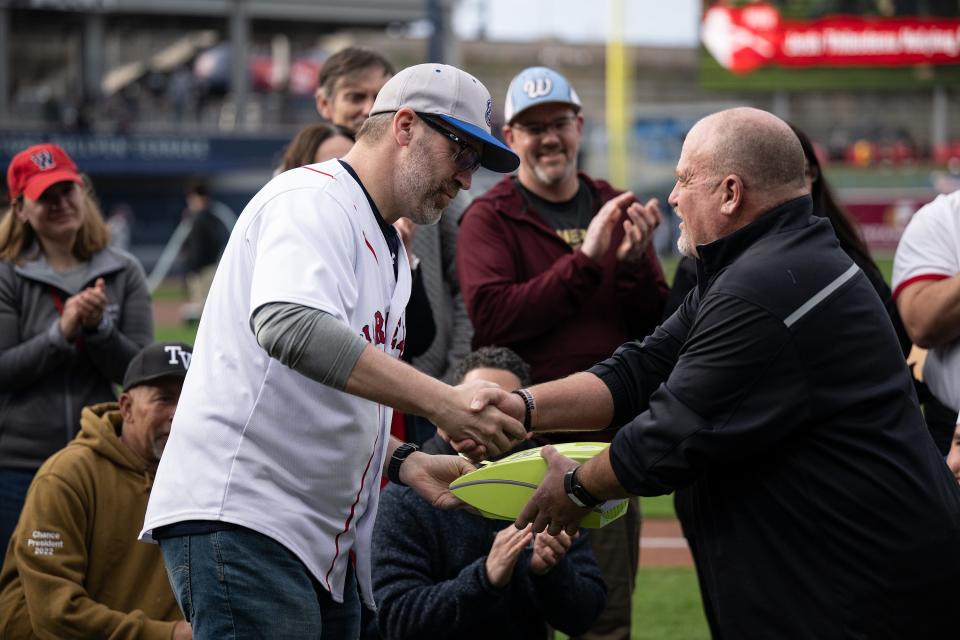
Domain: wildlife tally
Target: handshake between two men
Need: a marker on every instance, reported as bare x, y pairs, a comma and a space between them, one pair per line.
494, 422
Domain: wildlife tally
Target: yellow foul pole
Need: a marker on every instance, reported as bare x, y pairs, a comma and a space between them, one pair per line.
618, 98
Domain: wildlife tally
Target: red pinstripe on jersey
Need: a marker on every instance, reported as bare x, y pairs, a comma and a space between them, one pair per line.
370, 246
323, 173
353, 507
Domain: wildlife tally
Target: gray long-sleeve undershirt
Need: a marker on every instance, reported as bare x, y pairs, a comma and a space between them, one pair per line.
309, 341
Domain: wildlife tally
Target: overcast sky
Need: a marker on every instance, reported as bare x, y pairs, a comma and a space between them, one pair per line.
650, 22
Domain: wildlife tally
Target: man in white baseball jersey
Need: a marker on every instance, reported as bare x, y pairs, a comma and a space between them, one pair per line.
926, 287
265, 502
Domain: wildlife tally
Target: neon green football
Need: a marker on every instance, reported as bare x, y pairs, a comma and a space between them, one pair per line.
501, 489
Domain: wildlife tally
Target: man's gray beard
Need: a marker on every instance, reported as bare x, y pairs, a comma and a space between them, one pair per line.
414, 174
426, 216
686, 248
551, 181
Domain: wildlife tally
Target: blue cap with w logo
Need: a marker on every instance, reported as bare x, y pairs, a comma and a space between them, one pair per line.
535, 86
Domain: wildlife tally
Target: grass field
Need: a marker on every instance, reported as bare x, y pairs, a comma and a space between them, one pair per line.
666, 606
175, 333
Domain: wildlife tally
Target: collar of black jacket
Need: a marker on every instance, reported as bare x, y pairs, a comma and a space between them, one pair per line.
716, 255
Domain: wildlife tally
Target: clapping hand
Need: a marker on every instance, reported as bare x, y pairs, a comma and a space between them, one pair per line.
638, 228
639, 223
502, 558
548, 550
84, 310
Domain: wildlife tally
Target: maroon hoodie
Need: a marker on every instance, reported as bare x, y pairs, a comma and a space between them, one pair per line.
526, 289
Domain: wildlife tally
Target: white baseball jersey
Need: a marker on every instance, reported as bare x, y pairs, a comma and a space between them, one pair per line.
254, 442
930, 250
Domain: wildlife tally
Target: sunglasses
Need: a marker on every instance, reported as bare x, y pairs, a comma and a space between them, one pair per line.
467, 158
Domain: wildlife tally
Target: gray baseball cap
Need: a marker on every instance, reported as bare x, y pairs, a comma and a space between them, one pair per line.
456, 97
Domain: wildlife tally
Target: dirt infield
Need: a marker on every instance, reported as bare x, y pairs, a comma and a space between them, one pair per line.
166, 312
662, 545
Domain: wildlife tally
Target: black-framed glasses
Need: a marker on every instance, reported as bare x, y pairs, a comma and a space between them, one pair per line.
466, 158
537, 129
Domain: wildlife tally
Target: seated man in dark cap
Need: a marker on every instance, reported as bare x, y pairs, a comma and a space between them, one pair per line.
74, 567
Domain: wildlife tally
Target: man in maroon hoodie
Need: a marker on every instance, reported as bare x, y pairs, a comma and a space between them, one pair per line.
559, 267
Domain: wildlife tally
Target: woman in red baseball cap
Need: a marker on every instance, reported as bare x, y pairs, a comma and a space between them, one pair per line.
73, 312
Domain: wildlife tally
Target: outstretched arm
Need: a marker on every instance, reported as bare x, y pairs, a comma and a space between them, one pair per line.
581, 402
389, 381
320, 347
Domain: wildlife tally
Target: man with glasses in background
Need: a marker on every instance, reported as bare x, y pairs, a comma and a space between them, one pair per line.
265, 502
559, 267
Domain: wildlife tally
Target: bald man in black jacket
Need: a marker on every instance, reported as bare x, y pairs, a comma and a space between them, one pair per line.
779, 395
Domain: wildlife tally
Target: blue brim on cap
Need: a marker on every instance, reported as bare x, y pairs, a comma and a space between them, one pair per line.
496, 156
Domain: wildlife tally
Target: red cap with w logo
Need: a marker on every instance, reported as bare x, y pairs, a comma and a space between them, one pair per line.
35, 169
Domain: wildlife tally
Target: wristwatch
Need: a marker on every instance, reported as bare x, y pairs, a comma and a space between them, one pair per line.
399, 455
576, 491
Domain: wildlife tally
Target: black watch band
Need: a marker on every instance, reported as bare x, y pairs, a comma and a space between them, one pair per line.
576, 491
399, 455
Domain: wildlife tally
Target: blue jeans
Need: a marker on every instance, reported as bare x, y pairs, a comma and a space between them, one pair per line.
240, 584
13, 492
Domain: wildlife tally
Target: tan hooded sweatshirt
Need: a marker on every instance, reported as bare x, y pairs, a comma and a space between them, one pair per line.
74, 567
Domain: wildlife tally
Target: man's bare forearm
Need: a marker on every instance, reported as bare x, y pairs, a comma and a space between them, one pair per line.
930, 311
392, 382
598, 478
580, 402
389, 381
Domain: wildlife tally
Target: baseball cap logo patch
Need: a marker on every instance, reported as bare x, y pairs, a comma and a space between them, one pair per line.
161, 360
537, 87
44, 160
36, 168
454, 96
177, 355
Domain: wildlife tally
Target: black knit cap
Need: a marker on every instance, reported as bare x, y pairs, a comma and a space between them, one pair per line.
159, 360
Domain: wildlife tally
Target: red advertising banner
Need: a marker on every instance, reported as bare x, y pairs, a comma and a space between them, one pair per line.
742, 39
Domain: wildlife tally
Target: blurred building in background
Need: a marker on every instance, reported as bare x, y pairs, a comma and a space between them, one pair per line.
147, 94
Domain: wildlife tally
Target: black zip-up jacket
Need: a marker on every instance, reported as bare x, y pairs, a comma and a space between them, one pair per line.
779, 394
